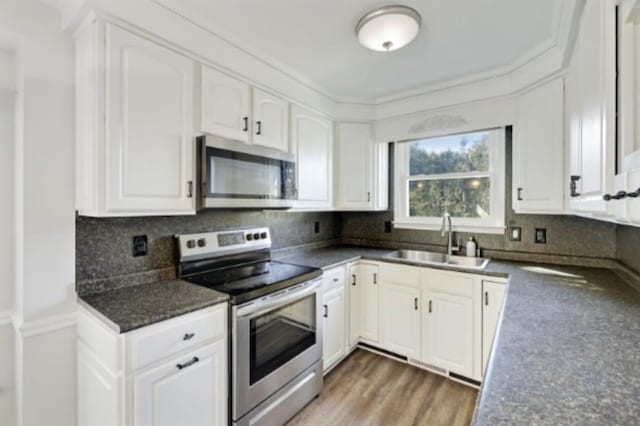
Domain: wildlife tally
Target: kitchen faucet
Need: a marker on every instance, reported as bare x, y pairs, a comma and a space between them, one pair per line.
446, 220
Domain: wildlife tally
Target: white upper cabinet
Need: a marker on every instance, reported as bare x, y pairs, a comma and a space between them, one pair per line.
141, 162
225, 104
362, 182
270, 121
629, 86
591, 109
312, 142
538, 150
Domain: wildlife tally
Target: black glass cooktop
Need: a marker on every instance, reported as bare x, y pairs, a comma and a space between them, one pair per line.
247, 282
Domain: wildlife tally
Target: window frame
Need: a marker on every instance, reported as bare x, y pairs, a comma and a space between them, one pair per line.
494, 224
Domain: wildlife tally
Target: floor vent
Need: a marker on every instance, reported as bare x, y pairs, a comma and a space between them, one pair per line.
465, 380
429, 367
382, 352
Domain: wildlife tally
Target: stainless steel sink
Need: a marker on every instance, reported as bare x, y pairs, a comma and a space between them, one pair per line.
431, 258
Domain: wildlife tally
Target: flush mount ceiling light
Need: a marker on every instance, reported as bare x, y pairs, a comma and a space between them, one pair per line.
388, 28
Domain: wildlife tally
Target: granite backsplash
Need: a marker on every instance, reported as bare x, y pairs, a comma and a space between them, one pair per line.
104, 257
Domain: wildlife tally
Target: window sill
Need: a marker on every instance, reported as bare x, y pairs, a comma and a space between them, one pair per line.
475, 229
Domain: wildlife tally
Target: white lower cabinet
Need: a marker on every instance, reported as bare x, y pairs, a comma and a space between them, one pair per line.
441, 320
451, 332
400, 309
492, 298
368, 280
354, 305
188, 390
334, 320
185, 382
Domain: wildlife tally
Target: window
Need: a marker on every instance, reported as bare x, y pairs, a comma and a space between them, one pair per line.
461, 174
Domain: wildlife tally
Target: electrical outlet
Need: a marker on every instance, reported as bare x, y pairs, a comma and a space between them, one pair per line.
316, 227
140, 246
387, 226
515, 233
541, 236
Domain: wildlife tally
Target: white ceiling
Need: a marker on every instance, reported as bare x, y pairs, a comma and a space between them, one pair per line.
315, 39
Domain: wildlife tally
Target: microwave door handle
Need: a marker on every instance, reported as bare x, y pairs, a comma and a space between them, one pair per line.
261, 307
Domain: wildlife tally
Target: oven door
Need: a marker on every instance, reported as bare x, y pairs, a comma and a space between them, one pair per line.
252, 177
275, 339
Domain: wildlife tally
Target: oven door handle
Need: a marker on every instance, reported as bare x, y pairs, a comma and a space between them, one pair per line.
263, 306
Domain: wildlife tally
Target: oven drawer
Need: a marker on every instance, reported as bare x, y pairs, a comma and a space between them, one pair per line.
151, 344
334, 277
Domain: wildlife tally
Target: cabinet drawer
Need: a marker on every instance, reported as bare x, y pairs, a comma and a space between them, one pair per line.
159, 341
333, 278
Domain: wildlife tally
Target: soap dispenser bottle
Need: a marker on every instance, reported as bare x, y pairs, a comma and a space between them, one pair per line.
471, 247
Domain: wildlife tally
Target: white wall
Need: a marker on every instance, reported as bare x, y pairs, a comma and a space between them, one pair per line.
7, 237
44, 240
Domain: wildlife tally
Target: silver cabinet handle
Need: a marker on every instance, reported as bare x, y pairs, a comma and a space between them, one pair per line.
190, 189
415, 303
368, 197
188, 363
519, 194
375, 278
430, 306
335, 280
353, 276
246, 124
259, 124
326, 311
188, 336
486, 298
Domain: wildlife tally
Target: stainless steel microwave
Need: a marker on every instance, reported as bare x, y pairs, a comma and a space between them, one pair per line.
233, 174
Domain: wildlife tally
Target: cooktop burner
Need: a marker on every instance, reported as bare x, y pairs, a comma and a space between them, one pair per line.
248, 282
237, 263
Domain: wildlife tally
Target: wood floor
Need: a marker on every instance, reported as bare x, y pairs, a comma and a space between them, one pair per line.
368, 389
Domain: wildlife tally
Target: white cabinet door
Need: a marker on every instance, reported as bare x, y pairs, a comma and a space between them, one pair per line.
355, 303
270, 121
493, 296
150, 126
355, 161
628, 87
334, 327
451, 322
312, 141
401, 319
370, 302
400, 309
190, 390
224, 105
595, 61
538, 150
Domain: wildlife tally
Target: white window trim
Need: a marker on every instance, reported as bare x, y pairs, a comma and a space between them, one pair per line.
494, 224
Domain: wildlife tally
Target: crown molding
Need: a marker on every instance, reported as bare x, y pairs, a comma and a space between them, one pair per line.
548, 57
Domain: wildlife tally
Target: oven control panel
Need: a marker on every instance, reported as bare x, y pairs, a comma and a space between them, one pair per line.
215, 244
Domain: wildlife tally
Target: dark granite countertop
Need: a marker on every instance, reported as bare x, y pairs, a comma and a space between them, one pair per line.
568, 346
329, 257
567, 350
128, 308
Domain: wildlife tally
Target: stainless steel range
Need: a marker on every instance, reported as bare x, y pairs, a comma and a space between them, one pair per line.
276, 335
